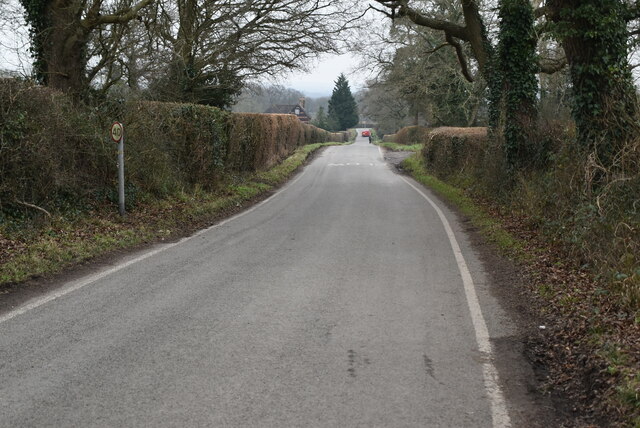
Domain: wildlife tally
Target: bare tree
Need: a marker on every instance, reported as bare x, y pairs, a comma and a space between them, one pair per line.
469, 29
14, 40
427, 79
212, 44
61, 31
417, 69
384, 105
126, 56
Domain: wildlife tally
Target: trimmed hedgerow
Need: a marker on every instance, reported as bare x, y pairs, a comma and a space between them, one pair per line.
56, 155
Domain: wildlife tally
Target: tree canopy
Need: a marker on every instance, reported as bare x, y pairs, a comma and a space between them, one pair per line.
594, 37
181, 50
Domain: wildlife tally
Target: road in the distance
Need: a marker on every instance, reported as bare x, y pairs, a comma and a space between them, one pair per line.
338, 302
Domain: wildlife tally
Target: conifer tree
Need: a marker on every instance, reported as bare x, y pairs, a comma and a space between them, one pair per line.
321, 120
342, 105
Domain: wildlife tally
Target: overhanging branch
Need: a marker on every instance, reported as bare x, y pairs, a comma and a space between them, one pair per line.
464, 66
120, 17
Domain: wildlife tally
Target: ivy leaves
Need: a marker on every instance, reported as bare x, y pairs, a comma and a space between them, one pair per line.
515, 85
36, 17
594, 36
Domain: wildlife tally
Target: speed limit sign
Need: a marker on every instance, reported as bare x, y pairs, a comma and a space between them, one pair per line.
117, 130
117, 135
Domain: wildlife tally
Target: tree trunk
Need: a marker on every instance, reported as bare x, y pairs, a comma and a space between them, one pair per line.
517, 66
593, 34
477, 36
64, 49
185, 69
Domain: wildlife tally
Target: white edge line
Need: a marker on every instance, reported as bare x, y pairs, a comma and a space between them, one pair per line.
499, 412
93, 278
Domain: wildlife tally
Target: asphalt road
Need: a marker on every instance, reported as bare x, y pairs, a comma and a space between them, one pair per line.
340, 301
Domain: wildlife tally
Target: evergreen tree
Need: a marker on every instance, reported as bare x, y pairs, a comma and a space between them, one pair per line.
343, 109
333, 124
321, 120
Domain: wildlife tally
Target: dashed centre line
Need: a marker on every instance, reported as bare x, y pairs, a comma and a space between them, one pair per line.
356, 164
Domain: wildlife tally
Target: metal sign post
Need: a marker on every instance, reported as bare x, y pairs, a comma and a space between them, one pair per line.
117, 135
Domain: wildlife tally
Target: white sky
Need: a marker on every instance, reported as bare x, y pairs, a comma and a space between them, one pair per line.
14, 41
321, 79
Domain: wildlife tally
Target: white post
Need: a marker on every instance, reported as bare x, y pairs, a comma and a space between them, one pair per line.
117, 136
121, 174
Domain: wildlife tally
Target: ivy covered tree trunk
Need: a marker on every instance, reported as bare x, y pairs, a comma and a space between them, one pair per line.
593, 34
518, 86
58, 43
64, 50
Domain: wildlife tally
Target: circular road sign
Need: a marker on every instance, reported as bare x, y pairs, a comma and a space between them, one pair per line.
117, 130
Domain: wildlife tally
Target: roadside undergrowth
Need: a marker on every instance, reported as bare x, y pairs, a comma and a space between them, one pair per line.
591, 347
56, 242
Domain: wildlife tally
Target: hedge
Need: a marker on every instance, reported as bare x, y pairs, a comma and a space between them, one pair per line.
55, 153
449, 150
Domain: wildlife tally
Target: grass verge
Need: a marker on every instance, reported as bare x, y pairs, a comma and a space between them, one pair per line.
489, 227
395, 147
590, 345
60, 242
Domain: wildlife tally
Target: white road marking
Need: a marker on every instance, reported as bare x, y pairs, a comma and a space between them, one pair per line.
499, 412
357, 164
93, 278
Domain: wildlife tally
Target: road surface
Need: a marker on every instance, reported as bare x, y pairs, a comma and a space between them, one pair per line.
341, 301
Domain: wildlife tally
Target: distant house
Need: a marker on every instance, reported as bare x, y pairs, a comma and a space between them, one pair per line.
297, 109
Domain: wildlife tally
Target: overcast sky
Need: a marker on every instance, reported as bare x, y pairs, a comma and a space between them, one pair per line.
321, 80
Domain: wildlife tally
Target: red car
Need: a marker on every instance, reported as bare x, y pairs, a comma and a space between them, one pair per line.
366, 133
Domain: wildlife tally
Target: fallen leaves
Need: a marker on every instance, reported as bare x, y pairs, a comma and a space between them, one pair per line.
590, 344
